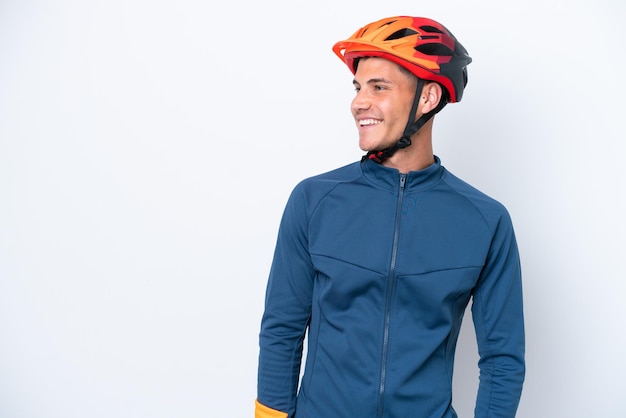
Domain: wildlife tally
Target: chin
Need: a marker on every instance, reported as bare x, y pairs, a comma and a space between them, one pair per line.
369, 146
366, 145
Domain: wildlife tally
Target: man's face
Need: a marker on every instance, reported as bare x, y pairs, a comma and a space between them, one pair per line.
381, 107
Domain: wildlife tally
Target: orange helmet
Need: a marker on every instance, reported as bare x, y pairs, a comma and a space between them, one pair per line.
422, 46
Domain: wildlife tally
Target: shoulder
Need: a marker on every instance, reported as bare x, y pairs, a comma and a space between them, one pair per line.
346, 173
324, 182
307, 193
490, 208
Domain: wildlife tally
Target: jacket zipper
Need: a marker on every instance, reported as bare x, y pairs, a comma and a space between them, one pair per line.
389, 298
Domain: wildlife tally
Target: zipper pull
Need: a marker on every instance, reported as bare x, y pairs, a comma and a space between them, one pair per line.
402, 180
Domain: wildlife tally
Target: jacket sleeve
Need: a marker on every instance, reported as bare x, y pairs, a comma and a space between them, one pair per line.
497, 312
287, 310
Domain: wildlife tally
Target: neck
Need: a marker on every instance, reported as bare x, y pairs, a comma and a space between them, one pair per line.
416, 156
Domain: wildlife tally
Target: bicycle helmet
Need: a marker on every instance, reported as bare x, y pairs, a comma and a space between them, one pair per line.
424, 47
421, 45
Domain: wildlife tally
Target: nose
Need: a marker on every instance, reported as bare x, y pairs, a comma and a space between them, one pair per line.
360, 102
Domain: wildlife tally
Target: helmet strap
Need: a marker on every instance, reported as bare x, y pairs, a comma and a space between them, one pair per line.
411, 128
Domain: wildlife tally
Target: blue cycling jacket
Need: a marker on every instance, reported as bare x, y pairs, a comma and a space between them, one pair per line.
379, 267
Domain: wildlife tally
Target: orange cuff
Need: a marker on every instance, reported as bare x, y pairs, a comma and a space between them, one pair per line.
262, 411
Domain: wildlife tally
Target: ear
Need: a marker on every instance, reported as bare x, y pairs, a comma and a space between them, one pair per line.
431, 95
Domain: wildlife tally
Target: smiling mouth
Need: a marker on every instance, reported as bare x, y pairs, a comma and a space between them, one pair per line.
369, 122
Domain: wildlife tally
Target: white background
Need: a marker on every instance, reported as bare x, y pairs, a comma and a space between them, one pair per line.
147, 149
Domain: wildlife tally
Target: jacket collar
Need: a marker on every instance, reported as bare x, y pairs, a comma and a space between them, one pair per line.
389, 178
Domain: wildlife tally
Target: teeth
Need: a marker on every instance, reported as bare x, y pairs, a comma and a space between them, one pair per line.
367, 122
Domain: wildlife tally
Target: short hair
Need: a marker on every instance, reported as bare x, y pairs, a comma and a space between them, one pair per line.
403, 69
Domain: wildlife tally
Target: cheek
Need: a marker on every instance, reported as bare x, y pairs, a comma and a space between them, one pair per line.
400, 110
407, 104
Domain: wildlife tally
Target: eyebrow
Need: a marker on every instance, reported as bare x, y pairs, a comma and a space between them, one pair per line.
374, 81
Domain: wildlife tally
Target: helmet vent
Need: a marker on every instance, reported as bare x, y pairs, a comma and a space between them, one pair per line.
434, 49
401, 34
431, 29
365, 29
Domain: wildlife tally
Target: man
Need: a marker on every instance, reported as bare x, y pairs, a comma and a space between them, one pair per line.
379, 259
